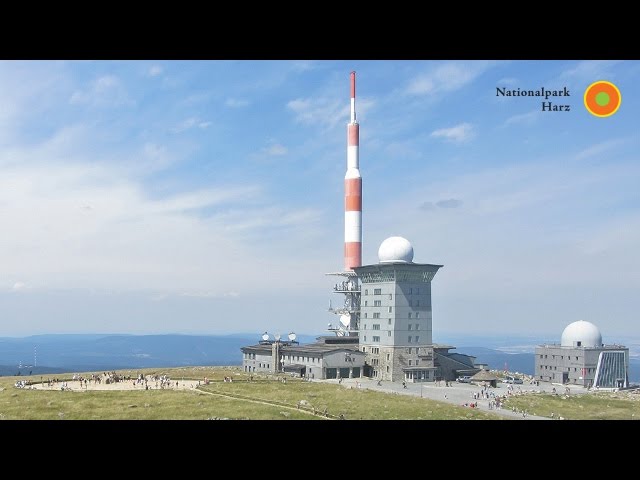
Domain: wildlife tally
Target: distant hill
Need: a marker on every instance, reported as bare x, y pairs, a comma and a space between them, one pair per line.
58, 353
94, 352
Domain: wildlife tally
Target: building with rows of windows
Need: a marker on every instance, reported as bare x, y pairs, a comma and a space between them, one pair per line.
582, 359
385, 331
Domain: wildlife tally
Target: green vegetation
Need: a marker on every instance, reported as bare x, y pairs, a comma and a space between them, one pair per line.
591, 406
267, 397
256, 397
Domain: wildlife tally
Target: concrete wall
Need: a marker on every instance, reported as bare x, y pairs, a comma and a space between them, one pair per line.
262, 363
557, 364
407, 326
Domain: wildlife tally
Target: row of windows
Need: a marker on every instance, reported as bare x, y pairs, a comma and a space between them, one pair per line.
377, 314
417, 362
411, 326
263, 365
561, 357
378, 291
417, 337
376, 326
297, 358
575, 369
377, 303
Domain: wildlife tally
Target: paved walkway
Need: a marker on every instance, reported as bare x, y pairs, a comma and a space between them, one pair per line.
456, 393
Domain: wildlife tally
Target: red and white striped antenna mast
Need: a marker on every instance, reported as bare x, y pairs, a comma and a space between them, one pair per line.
353, 190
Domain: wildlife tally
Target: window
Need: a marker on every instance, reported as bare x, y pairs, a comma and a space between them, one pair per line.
417, 338
377, 303
576, 358
364, 349
417, 314
411, 291
388, 333
377, 291
387, 368
410, 362
410, 338
365, 314
376, 326
391, 296
376, 338
366, 292
409, 350
417, 303
417, 362
417, 326
365, 326
417, 291
375, 350
388, 358
410, 326
376, 315
409, 314
390, 309
366, 303
540, 355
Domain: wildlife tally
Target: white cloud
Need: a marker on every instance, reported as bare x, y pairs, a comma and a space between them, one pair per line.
326, 112
105, 91
87, 226
304, 65
458, 134
276, 149
523, 118
155, 70
508, 81
590, 70
600, 148
446, 77
19, 287
190, 123
236, 102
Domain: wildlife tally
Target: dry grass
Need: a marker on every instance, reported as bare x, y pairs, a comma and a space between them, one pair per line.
589, 406
264, 398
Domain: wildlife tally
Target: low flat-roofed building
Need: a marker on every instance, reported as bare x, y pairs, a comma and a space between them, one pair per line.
582, 359
329, 357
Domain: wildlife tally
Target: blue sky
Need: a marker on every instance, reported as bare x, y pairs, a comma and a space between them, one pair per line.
207, 196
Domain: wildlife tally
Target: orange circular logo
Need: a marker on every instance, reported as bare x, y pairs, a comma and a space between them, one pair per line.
602, 99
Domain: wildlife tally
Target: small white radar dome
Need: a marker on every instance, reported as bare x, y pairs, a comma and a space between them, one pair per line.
395, 249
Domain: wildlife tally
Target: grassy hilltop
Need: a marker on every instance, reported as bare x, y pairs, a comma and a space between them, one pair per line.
264, 398
267, 397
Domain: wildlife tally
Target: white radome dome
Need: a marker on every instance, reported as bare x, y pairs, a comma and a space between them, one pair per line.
395, 249
581, 334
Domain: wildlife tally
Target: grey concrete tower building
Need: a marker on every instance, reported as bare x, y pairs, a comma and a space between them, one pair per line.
395, 314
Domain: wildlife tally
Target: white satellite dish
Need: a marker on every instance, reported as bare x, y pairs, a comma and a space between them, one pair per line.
265, 336
292, 337
345, 319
